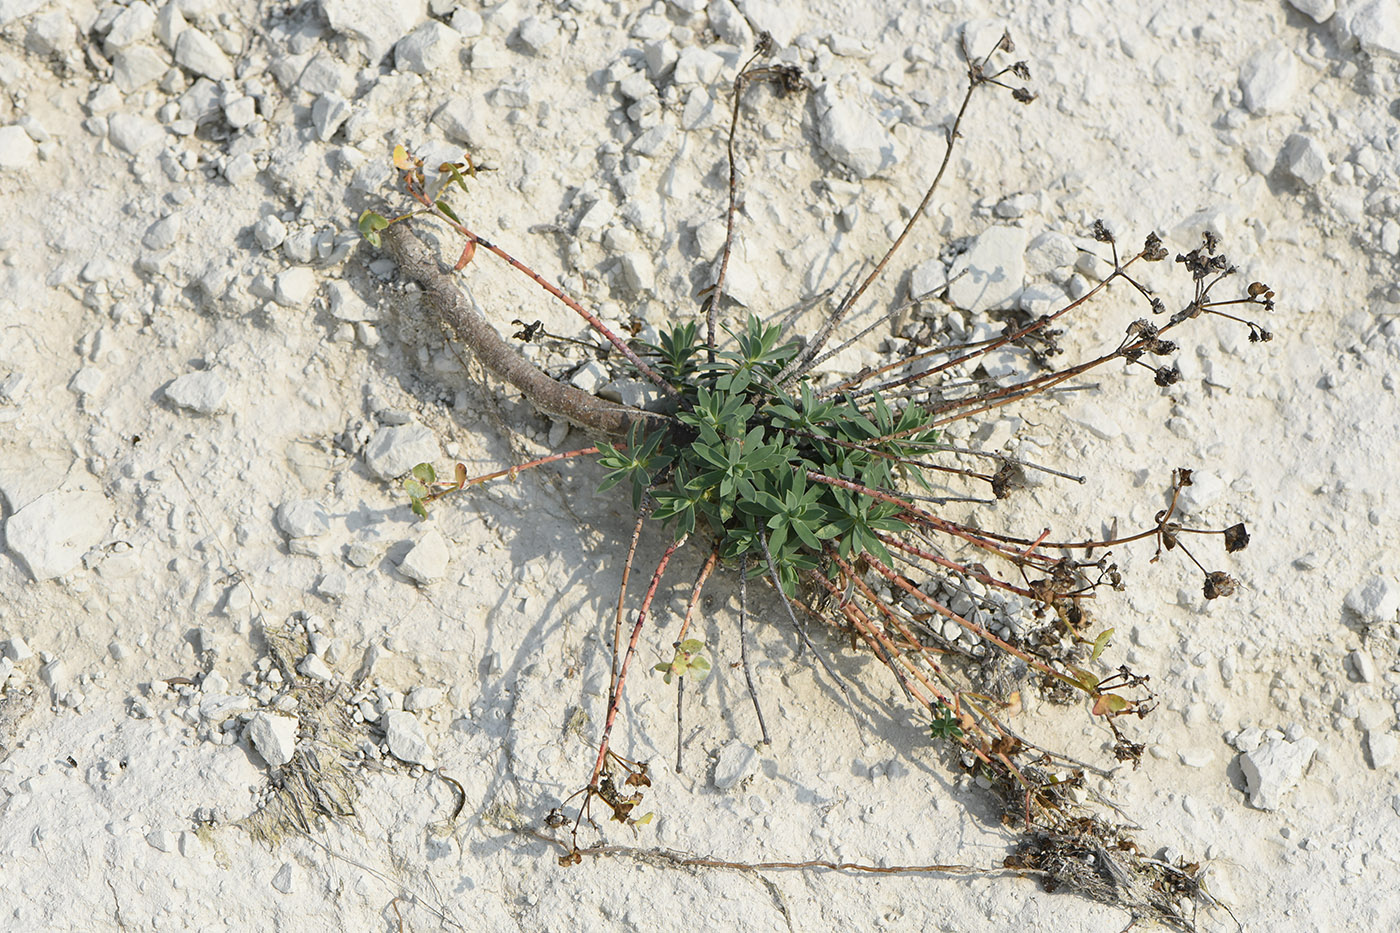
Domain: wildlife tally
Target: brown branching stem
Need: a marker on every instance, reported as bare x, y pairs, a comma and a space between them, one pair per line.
419, 262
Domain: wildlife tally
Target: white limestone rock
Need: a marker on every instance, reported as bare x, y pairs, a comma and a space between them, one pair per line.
303, 518
1304, 160
131, 25
270, 232
201, 392
1375, 24
293, 288
374, 24
736, 762
463, 120
927, 279
431, 46
537, 34
199, 53
404, 735
1274, 768
274, 737
1381, 746
699, 66
1375, 602
1320, 10
1268, 78
852, 136
134, 134
396, 449
17, 149
990, 274
138, 66
51, 534
427, 561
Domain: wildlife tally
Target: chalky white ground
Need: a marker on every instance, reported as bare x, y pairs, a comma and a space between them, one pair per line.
200, 362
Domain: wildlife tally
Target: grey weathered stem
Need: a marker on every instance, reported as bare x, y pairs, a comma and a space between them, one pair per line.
419, 261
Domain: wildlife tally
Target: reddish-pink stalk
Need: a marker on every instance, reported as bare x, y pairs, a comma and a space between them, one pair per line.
615, 698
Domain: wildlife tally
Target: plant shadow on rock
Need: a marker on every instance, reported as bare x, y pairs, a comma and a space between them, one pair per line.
836, 496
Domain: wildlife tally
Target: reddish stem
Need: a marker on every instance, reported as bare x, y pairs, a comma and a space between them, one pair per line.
615, 700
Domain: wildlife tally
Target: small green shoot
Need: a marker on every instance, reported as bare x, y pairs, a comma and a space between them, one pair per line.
687, 661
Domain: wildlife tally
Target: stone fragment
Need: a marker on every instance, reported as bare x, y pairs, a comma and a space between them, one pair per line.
240, 111
1376, 601
133, 134
162, 840
404, 734
735, 763
1274, 768
699, 66
990, 273
328, 113
1304, 160
50, 34
51, 534
374, 24
1363, 666
285, 879
131, 25
420, 698
1376, 25
202, 392
431, 46
138, 66
346, 305
1320, 10
270, 231
538, 34
1381, 746
1267, 79
162, 234
240, 169
303, 518
169, 24
852, 136
927, 279
199, 53
293, 288
274, 737
427, 561
396, 449
462, 121
17, 149
468, 22
314, 667
1050, 252
638, 271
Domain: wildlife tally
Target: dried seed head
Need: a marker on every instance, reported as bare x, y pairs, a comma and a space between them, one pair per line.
1021, 70
1100, 232
1236, 538
764, 44
1158, 307
1152, 250
1006, 45
1167, 376
1218, 584
1022, 95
